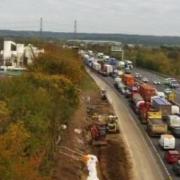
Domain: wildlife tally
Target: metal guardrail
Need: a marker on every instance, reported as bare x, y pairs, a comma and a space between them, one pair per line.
147, 138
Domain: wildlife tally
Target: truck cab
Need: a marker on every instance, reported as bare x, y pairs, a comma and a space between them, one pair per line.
172, 156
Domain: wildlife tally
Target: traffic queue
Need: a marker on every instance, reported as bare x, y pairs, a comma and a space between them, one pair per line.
157, 110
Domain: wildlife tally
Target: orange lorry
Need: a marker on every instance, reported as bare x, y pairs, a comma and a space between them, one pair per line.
128, 80
147, 91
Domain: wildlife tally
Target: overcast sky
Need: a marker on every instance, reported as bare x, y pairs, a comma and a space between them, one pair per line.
156, 17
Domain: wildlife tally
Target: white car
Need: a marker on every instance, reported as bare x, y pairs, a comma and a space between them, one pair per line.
145, 80
138, 75
167, 91
156, 82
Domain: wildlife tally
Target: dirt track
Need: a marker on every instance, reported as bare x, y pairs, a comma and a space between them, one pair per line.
145, 166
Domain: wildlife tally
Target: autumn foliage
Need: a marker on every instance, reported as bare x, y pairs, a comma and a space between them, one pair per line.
163, 60
32, 109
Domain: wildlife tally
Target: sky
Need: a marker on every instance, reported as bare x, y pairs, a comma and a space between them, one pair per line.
145, 17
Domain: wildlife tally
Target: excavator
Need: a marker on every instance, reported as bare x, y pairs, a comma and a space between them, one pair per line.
112, 124
98, 134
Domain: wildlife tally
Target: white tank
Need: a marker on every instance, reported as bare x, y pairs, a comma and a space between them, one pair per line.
175, 109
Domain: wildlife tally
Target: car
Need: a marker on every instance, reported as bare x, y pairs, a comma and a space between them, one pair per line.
156, 82
172, 156
174, 84
168, 91
145, 80
176, 168
176, 132
127, 93
167, 81
138, 75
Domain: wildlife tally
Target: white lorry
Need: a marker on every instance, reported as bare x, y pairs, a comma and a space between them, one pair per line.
167, 141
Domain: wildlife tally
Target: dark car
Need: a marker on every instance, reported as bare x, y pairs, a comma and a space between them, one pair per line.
176, 131
176, 168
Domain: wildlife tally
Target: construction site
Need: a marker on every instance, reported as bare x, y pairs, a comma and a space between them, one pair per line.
94, 131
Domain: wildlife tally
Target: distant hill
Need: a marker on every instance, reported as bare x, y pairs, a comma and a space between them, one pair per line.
124, 38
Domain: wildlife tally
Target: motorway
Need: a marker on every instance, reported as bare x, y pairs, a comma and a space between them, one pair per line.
152, 76
146, 164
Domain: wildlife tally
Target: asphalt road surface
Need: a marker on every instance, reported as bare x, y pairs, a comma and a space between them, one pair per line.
146, 165
156, 77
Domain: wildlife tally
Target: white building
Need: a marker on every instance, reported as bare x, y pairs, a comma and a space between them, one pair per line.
18, 55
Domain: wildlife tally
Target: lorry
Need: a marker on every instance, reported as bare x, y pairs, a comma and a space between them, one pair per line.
129, 64
156, 127
146, 112
121, 64
167, 141
172, 156
121, 88
128, 80
136, 100
162, 105
173, 122
147, 91
170, 95
96, 66
106, 69
175, 109
117, 80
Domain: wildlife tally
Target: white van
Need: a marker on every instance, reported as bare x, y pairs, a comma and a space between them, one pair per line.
167, 141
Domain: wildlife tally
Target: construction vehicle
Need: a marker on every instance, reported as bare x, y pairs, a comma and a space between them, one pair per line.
112, 124
110, 121
103, 94
98, 134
